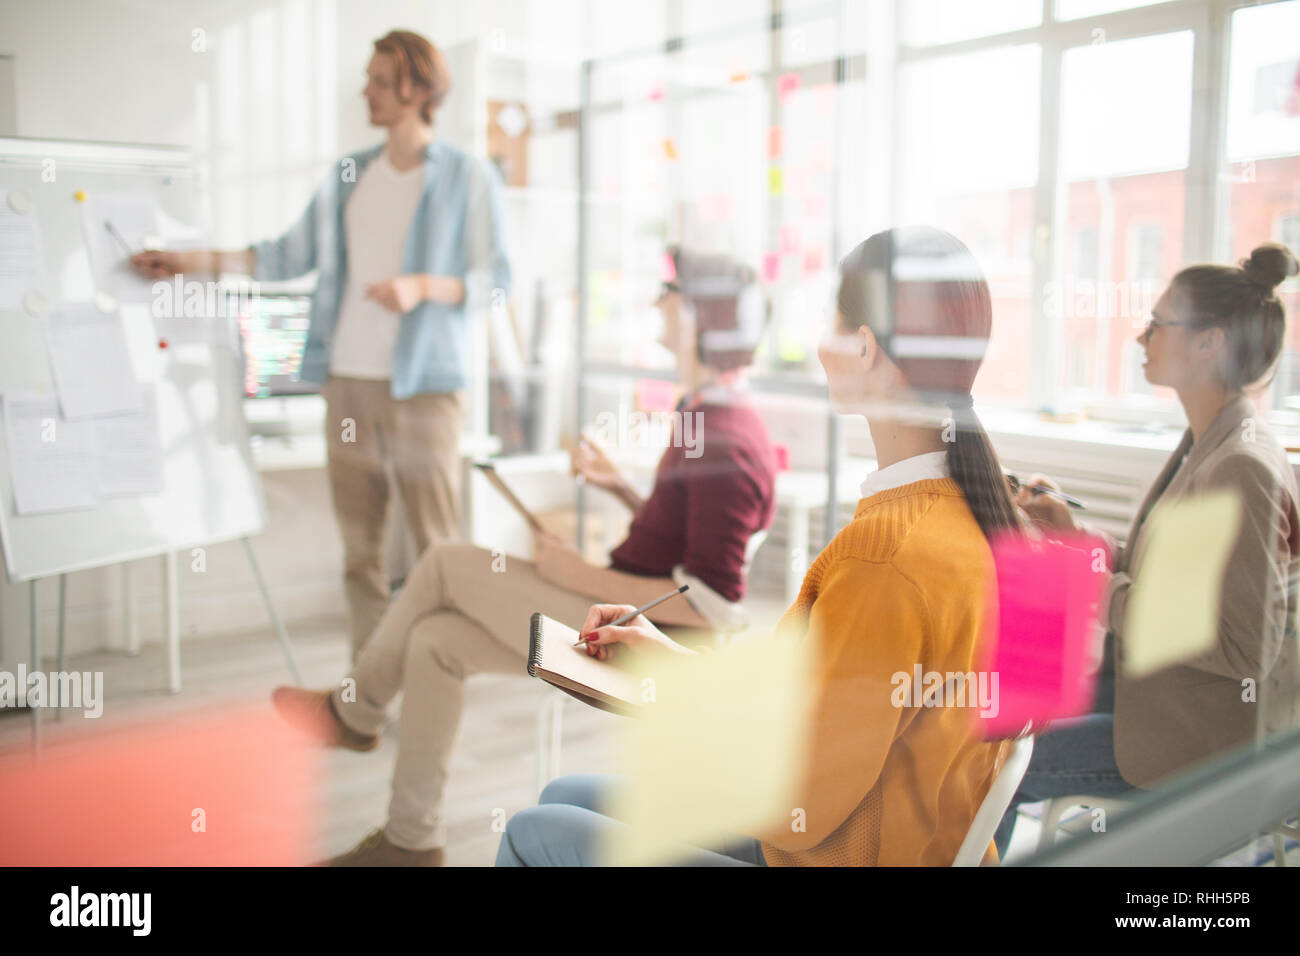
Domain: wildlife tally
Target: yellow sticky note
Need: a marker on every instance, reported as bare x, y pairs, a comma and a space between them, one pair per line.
792, 348
776, 180
1173, 608
719, 751
79, 195
670, 149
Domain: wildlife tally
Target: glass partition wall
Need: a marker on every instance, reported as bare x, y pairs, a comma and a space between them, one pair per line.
1084, 149
744, 141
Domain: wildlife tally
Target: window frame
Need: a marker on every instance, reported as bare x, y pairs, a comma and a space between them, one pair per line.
1205, 197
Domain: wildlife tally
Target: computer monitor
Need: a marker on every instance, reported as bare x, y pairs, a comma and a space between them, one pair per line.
272, 337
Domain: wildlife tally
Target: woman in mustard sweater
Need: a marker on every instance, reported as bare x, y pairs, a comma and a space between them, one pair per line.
903, 584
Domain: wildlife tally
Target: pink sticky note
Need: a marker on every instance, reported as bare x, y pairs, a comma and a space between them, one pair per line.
786, 84
1040, 628
789, 240
771, 266
812, 261
228, 786
667, 270
775, 142
655, 395
657, 91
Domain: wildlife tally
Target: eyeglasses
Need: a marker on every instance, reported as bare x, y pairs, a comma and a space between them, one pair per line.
668, 289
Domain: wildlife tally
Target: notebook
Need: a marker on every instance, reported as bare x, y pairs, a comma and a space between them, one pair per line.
610, 685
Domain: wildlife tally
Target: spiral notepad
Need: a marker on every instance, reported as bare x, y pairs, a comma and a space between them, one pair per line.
552, 657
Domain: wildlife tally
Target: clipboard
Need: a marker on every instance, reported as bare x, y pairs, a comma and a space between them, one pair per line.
490, 472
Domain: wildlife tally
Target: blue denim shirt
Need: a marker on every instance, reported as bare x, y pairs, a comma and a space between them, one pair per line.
458, 230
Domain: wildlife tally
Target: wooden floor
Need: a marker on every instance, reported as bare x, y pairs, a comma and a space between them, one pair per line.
494, 766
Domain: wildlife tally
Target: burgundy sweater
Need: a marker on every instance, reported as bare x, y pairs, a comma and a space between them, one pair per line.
704, 509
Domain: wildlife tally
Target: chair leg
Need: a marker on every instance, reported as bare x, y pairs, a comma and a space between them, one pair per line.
550, 737
1284, 830
543, 738
1051, 820
557, 736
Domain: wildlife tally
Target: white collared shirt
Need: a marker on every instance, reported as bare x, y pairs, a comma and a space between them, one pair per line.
933, 464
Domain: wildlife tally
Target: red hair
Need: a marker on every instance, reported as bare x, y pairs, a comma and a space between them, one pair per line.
419, 62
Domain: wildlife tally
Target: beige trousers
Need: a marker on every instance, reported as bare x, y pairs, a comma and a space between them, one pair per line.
367, 433
464, 610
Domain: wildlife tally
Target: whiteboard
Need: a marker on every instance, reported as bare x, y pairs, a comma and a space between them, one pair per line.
212, 490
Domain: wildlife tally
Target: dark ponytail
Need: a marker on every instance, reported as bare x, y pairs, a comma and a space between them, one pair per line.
925, 299
974, 466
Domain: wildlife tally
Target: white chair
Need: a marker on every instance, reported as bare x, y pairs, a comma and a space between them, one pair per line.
726, 619
995, 804
1284, 830
1057, 806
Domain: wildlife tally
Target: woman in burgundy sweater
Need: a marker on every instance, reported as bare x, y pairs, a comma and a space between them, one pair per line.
465, 610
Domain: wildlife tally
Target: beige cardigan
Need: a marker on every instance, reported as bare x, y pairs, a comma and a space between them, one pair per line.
1184, 714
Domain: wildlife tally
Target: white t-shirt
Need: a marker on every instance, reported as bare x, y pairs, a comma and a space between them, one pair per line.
377, 218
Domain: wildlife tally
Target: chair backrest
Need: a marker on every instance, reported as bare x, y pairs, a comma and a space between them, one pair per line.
995, 804
726, 617
755, 542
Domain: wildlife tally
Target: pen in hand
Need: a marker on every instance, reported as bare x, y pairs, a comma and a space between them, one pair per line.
118, 236
1070, 500
641, 610
1016, 484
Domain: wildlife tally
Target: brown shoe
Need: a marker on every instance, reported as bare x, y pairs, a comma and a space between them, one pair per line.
376, 850
312, 711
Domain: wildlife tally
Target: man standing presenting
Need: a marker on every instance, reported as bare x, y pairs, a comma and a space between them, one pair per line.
408, 242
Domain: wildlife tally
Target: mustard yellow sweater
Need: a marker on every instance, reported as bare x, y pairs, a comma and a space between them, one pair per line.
885, 785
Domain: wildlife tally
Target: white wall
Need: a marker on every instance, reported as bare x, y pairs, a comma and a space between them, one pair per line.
111, 70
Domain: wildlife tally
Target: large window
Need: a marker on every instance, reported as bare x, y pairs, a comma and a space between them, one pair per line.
1262, 161
741, 141
1124, 151
1085, 150
1083, 198
971, 169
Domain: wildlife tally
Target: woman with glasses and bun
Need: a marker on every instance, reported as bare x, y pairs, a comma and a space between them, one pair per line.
902, 585
1214, 333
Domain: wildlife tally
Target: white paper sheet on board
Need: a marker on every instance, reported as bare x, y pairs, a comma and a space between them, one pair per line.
20, 257
92, 367
128, 452
50, 460
135, 226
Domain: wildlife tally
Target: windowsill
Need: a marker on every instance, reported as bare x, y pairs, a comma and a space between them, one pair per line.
1105, 436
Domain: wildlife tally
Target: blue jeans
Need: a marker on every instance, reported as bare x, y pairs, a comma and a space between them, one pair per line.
568, 828
1074, 757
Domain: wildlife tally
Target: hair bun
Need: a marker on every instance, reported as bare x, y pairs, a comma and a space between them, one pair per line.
1270, 264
